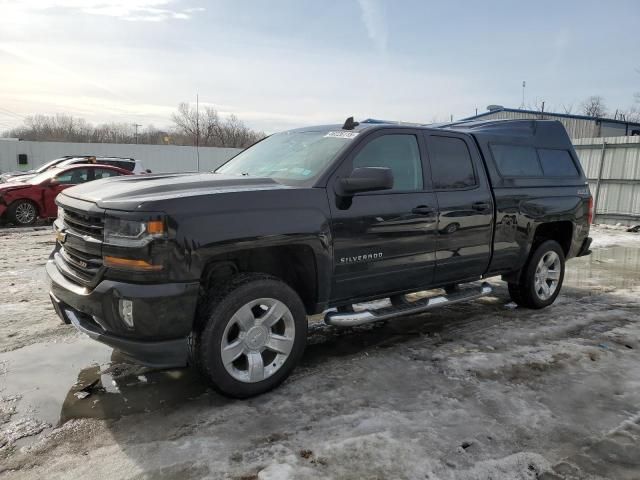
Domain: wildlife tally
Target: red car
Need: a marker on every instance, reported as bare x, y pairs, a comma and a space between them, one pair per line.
23, 203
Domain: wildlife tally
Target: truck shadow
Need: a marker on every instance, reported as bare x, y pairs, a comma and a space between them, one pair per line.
121, 388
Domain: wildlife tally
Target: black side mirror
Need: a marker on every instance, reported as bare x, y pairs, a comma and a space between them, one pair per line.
365, 179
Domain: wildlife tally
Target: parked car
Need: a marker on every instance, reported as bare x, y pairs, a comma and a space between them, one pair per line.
19, 175
220, 270
130, 164
134, 166
21, 203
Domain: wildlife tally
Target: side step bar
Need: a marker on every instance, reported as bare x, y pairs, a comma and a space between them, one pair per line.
349, 319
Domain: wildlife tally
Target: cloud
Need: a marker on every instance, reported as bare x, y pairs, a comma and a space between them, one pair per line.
130, 10
373, 17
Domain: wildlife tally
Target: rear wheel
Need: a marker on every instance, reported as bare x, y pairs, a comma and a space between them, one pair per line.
252, 335
541, 278
22, 212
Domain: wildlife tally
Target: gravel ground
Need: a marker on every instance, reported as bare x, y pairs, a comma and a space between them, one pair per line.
482, 390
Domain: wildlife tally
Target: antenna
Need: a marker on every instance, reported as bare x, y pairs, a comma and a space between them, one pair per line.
524, 84
349, 124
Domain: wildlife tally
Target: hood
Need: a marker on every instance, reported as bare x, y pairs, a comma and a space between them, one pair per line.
8, 176
133, 191
23, 178
9, 186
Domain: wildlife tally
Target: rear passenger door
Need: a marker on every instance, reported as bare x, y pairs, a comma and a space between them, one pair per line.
465, 208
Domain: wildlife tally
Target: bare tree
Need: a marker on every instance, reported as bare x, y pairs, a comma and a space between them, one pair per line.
207, 128
65, 128
567, 109
594, 106
631, 114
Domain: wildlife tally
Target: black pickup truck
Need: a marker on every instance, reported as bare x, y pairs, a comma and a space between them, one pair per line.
220, 270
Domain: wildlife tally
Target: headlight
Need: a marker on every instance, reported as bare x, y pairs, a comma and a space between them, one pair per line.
132, 233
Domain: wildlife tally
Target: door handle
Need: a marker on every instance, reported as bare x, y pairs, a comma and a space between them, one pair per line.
422, 210
481, 206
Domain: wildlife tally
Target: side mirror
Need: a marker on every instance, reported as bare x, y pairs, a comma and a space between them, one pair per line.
365, 179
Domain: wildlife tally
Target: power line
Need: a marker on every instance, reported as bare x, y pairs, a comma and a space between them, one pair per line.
10, 112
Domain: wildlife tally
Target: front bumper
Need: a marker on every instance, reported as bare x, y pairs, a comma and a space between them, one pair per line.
163, 316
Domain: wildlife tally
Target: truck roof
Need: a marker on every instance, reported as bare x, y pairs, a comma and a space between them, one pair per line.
537, 134
494, 128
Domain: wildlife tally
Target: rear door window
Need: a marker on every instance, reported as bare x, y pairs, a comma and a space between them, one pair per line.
73, 177
557, 163
105, 173
451, 164
516, 160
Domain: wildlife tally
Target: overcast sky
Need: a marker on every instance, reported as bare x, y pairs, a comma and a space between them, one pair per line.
280, 64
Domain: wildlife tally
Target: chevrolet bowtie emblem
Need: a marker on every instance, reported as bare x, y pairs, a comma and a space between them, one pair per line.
61, 236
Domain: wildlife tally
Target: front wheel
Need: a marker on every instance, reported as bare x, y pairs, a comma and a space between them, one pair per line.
541, 278
252, 335
22, 213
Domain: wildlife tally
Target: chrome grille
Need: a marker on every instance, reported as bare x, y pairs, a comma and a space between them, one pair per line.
83, 265
79, 257
84, 224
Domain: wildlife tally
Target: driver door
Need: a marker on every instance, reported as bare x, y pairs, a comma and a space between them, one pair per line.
64, 180
384, 241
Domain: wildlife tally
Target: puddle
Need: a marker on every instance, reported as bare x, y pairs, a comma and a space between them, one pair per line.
608, 268
61, 381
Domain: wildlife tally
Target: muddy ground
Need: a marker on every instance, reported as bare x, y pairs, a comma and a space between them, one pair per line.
475, 391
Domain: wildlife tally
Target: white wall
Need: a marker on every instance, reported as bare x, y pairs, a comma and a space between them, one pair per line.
158, 158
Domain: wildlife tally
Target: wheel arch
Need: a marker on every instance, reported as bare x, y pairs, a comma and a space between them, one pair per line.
297, 265
562, 231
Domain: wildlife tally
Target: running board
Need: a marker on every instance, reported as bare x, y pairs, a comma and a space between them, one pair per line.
350, 319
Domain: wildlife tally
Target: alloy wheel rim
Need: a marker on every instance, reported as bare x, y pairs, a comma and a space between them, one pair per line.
547, 275
257, 340
25, 213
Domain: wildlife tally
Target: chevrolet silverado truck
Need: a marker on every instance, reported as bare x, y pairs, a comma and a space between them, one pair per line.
220, 270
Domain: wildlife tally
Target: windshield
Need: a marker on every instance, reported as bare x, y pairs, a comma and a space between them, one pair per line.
289, 156
50, 164
39, 178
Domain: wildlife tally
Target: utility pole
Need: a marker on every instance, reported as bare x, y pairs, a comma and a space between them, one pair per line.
524, 84
136, 125
197, 132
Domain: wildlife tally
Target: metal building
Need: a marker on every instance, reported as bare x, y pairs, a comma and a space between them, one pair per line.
578, 126
612, 166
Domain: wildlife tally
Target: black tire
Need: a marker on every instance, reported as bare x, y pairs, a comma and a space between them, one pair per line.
524, 293
15, 217
215, 315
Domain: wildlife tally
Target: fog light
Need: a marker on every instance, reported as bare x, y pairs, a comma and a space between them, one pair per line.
126, 311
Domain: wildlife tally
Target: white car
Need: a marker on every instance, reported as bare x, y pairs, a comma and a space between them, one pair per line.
130, 164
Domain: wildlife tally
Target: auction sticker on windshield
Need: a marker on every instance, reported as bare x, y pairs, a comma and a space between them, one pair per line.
342, 134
